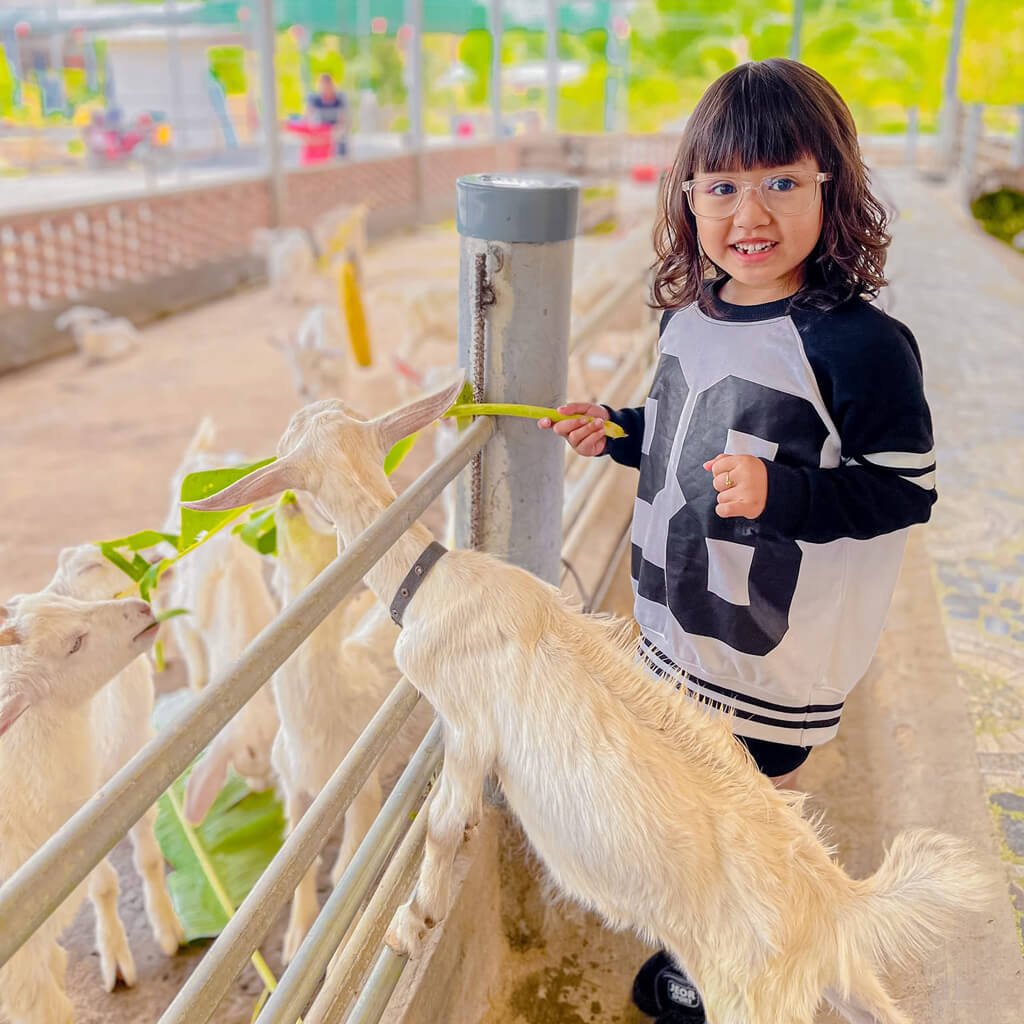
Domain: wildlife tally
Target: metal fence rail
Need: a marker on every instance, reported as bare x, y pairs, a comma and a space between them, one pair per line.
303, 973
43, 882
199, 997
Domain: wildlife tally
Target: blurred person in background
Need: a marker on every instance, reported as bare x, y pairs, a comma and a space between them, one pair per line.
329, 106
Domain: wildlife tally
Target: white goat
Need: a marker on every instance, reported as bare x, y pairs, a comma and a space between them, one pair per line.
221, 584
317, 354
640, 803
120, 715
341, 233
291, 262
99, 336
432, 314
56, 653
326, 692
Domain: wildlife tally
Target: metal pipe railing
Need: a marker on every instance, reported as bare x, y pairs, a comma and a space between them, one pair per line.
582, 488
309, 963
376, 993
594, 474
197, 1001
597, 315
43, 882
358, 954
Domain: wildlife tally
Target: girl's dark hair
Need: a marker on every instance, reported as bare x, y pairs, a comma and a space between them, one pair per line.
765, 114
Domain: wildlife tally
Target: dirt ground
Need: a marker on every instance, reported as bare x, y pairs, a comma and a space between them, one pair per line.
89, 453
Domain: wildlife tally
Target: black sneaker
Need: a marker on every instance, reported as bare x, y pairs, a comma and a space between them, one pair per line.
662, 990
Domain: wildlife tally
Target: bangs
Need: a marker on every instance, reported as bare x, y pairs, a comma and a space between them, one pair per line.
752, 119
771, 113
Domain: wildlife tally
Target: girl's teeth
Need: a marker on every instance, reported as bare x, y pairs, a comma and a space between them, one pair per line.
759, 247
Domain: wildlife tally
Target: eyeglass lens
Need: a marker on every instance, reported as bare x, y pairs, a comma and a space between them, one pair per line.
720, 195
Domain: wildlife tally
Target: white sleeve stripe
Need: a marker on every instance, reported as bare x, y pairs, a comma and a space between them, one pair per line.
926, 482
902, 460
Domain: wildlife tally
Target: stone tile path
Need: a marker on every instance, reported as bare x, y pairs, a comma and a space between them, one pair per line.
962, 293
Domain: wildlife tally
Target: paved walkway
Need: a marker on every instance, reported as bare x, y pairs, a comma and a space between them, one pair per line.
963, 295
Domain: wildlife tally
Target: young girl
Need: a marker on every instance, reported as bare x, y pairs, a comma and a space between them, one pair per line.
786, 444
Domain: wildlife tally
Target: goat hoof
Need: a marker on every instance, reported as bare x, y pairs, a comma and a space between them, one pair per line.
169, 933
407, 933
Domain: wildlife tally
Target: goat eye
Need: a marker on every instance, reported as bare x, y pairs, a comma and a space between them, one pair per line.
77, 645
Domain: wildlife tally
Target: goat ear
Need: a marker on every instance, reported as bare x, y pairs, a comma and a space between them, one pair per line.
416, 415
205, 782
282, 475
13, 705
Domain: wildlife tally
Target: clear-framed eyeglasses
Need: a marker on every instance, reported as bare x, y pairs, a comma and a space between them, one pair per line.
717, 196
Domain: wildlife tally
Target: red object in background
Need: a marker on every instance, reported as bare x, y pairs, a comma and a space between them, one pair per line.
645, 172
464, 130
317, 147
22, 29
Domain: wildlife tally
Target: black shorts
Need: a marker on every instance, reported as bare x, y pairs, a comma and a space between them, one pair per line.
775, 759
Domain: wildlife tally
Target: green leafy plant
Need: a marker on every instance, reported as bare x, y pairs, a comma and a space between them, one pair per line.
216, 864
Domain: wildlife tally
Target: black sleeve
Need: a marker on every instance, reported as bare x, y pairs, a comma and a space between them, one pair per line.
627, 450
868, 369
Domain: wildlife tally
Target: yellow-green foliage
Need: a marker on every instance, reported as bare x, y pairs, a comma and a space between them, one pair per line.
227, 64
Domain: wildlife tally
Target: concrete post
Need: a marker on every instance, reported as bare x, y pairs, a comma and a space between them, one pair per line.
515, 282
949, 115
179, 124
268, 93
972, 136
913, 130
496, 126
1017, 153
795, 29
553, 68
414, 102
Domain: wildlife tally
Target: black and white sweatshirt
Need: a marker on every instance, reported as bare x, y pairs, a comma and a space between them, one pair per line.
776, 618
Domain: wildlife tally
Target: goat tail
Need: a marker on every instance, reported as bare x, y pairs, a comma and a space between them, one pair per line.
914, 900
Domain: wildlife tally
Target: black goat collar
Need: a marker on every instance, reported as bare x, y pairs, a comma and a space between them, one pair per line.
414, 579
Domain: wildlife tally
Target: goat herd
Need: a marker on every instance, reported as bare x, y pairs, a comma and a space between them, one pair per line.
639, 803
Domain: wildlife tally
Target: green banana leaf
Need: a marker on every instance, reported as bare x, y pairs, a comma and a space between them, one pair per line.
239, 837
197, 486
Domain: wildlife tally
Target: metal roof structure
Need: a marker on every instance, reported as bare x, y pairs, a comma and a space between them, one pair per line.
335, 16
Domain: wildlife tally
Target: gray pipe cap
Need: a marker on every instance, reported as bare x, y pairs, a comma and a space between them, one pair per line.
531, 207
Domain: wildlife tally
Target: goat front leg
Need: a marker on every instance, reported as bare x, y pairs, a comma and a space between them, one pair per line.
454, 813
358, 819
111, 940
32, 985
149, 863
305, 905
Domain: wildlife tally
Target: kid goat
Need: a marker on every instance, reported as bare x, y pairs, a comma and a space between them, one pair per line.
56, 654
641, 804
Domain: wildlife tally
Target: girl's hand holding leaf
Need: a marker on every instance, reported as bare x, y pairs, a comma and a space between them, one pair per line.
583, 425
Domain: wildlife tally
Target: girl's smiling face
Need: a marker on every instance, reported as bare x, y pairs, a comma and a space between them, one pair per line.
765, 274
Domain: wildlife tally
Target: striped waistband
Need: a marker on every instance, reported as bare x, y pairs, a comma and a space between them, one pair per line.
755, 716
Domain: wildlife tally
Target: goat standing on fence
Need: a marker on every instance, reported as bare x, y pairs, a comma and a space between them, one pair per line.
642, 806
